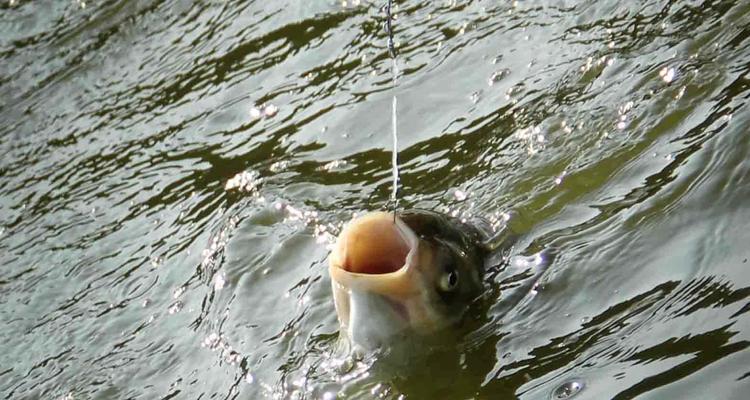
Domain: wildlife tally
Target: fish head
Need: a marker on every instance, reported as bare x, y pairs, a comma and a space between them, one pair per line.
413, 273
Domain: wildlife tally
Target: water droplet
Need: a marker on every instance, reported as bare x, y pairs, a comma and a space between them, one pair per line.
69, 395
156, 261
667, 74
568, 389
270, 111
255, 113
535, 289
211, 341
175, 307
178, 292
335, 165
474, 97
220, 281
245, 181
249, 378
498, 76
680, 93
459, 195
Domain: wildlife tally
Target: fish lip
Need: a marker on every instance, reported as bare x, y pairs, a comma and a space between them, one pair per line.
395, 287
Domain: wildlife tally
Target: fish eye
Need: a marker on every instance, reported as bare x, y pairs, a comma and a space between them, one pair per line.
449, 281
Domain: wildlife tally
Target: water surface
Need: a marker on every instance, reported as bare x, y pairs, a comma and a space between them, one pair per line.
173, 171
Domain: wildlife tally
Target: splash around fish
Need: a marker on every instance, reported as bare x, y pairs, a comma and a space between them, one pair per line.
413, 274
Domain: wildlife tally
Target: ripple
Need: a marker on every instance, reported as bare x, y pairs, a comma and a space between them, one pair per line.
172, 176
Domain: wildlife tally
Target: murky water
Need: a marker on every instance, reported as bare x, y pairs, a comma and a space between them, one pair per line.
172, 171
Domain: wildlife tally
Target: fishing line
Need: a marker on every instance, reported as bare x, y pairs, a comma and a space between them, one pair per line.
394, 104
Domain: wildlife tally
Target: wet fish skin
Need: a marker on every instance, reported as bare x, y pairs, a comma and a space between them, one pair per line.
431, 289
455, 246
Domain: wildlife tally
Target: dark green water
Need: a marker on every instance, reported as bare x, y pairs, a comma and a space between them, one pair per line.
615, 134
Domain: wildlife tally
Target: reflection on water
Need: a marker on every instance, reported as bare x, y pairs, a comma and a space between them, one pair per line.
172, 173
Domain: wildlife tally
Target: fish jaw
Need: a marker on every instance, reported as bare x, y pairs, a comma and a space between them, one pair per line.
379, 287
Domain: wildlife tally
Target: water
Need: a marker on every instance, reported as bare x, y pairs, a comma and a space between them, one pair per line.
160, 239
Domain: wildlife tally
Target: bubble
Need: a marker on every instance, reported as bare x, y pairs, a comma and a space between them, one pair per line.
568, 389
249, 378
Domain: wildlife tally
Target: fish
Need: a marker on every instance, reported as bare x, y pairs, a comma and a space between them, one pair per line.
414, 273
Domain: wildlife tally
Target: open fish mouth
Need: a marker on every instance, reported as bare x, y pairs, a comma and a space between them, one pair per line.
375, 244
373, 270
375, 253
